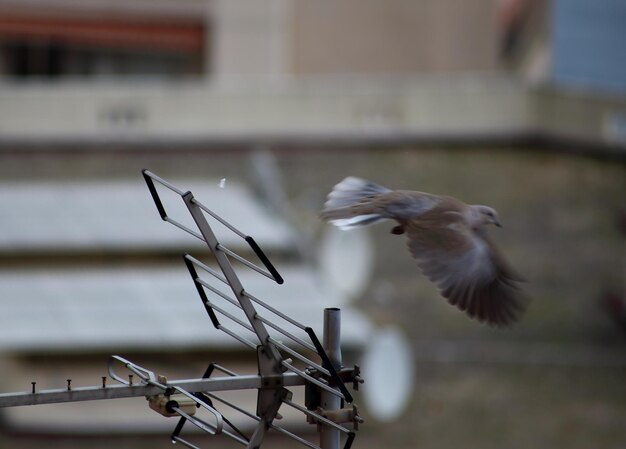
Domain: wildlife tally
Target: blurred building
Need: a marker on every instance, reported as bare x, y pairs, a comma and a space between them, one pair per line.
276, 38
571, 42
206, 73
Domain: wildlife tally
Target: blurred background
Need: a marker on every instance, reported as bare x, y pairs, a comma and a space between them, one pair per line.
260, 108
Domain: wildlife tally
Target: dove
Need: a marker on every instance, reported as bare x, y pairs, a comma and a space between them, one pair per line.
446, 237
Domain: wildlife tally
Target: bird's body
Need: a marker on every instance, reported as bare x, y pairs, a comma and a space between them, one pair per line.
447, 239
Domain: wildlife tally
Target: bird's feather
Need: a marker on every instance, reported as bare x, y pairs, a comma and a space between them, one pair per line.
465, 266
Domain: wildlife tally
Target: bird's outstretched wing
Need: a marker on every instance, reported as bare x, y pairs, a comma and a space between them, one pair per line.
466, 267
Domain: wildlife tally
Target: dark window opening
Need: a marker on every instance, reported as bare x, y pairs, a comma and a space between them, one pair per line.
99, 48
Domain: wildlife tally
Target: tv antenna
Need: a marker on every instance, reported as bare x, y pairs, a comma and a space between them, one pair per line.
288, 354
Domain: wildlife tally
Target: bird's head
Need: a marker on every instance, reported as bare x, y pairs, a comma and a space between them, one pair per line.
484, 215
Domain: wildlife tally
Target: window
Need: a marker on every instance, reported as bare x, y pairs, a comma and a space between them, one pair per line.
45, 47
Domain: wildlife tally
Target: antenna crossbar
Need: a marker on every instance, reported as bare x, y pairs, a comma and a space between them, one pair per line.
117, 391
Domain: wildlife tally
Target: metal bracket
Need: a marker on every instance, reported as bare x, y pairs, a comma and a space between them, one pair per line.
343, 415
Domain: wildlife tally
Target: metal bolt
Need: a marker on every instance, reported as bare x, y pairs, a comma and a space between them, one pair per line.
69, 384
104, 381
33, 384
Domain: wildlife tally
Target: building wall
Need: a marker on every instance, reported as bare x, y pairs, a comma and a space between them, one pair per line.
395, 36
251, 38
282, 38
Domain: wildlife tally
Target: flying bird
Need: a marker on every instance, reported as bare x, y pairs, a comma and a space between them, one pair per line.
446, 237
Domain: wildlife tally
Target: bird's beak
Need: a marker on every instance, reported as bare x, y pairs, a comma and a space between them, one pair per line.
497, 223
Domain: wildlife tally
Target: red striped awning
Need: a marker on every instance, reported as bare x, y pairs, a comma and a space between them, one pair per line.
106, 32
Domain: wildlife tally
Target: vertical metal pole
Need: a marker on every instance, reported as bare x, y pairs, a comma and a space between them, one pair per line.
330, 438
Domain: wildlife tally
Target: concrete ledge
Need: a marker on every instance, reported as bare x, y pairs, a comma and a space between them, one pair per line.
330, 111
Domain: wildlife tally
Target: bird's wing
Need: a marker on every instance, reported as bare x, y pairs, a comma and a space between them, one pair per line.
466, 266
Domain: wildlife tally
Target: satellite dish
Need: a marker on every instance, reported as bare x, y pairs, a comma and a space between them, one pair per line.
346, 260
388, 367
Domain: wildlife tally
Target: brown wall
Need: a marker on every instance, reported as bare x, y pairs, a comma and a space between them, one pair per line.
394, 36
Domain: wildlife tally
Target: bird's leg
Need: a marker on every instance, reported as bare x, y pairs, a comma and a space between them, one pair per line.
397, 230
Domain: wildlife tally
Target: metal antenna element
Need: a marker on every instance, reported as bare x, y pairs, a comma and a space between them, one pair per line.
276, 338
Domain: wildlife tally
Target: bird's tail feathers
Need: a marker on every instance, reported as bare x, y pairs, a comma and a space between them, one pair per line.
347, 205
356, 222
